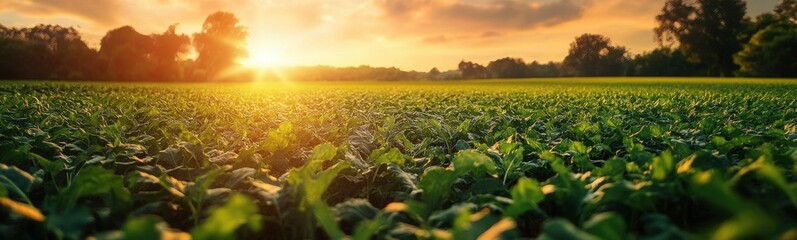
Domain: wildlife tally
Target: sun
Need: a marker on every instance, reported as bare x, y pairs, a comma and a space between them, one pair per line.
261, 59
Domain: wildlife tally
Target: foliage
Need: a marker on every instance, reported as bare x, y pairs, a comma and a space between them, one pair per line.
584, 159
706, 31
221, 42
594, 55
770, 53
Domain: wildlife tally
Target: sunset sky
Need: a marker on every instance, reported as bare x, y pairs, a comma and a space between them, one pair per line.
409, 34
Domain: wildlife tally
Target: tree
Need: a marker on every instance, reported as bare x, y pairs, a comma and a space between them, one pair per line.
45, 52
471, 70
771, 52
221, 42
662, 62
126, 52
433, 74
706, 31
508, 68
166, 49
594, 55
548, 70
787, 9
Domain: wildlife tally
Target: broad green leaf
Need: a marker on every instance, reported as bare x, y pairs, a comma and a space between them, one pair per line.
662, 166
354, 211
144, 227
393, 155
436, 184
326, 218
556, 163
12, 178
606, 226
561, 229
69, 223
52, 167
613, 168
94, 181
766, 169
197, 191
525, 196
578, 147
226, 220
474, 162
321, 153
714, 189
315, 188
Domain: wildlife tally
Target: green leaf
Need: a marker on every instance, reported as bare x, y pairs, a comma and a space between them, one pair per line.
436, 184
606, 226
315, 188
224, 221
353, 211
662, 166
52, 167
713, 188
321, 153
474, 162
556, 163
69, 223
94, 181
12, 177
461, 145
525, 196
561, 229
578, 147
382, 155
197, 191
613, 168
326, 218
145, 227
766, 169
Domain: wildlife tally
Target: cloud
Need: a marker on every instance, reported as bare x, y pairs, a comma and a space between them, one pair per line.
105, 11
436, 39
486, 15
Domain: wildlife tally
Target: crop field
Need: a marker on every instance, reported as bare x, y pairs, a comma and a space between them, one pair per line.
592, 158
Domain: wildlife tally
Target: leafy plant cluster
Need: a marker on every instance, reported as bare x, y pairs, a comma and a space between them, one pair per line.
586, 159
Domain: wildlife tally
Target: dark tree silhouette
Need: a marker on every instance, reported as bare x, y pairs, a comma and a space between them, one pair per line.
221, 42
433, 74
662, 62
166, 49
787, 9
471, 70
771, 52
594, 55
45, 52
508, 68
126, 52
548, 70
706, 31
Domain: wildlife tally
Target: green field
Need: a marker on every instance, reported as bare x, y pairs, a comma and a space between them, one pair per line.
624, 158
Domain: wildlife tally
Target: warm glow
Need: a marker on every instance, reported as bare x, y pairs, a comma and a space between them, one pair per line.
261, 59
411, 35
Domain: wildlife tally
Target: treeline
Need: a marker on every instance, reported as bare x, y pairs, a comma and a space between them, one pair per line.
55, 52
364, 72
695, 38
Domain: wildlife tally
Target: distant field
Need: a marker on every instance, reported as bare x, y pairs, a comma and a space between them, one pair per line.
604, 158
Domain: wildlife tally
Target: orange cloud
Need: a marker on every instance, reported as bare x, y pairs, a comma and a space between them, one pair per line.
105, 11
492, 14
